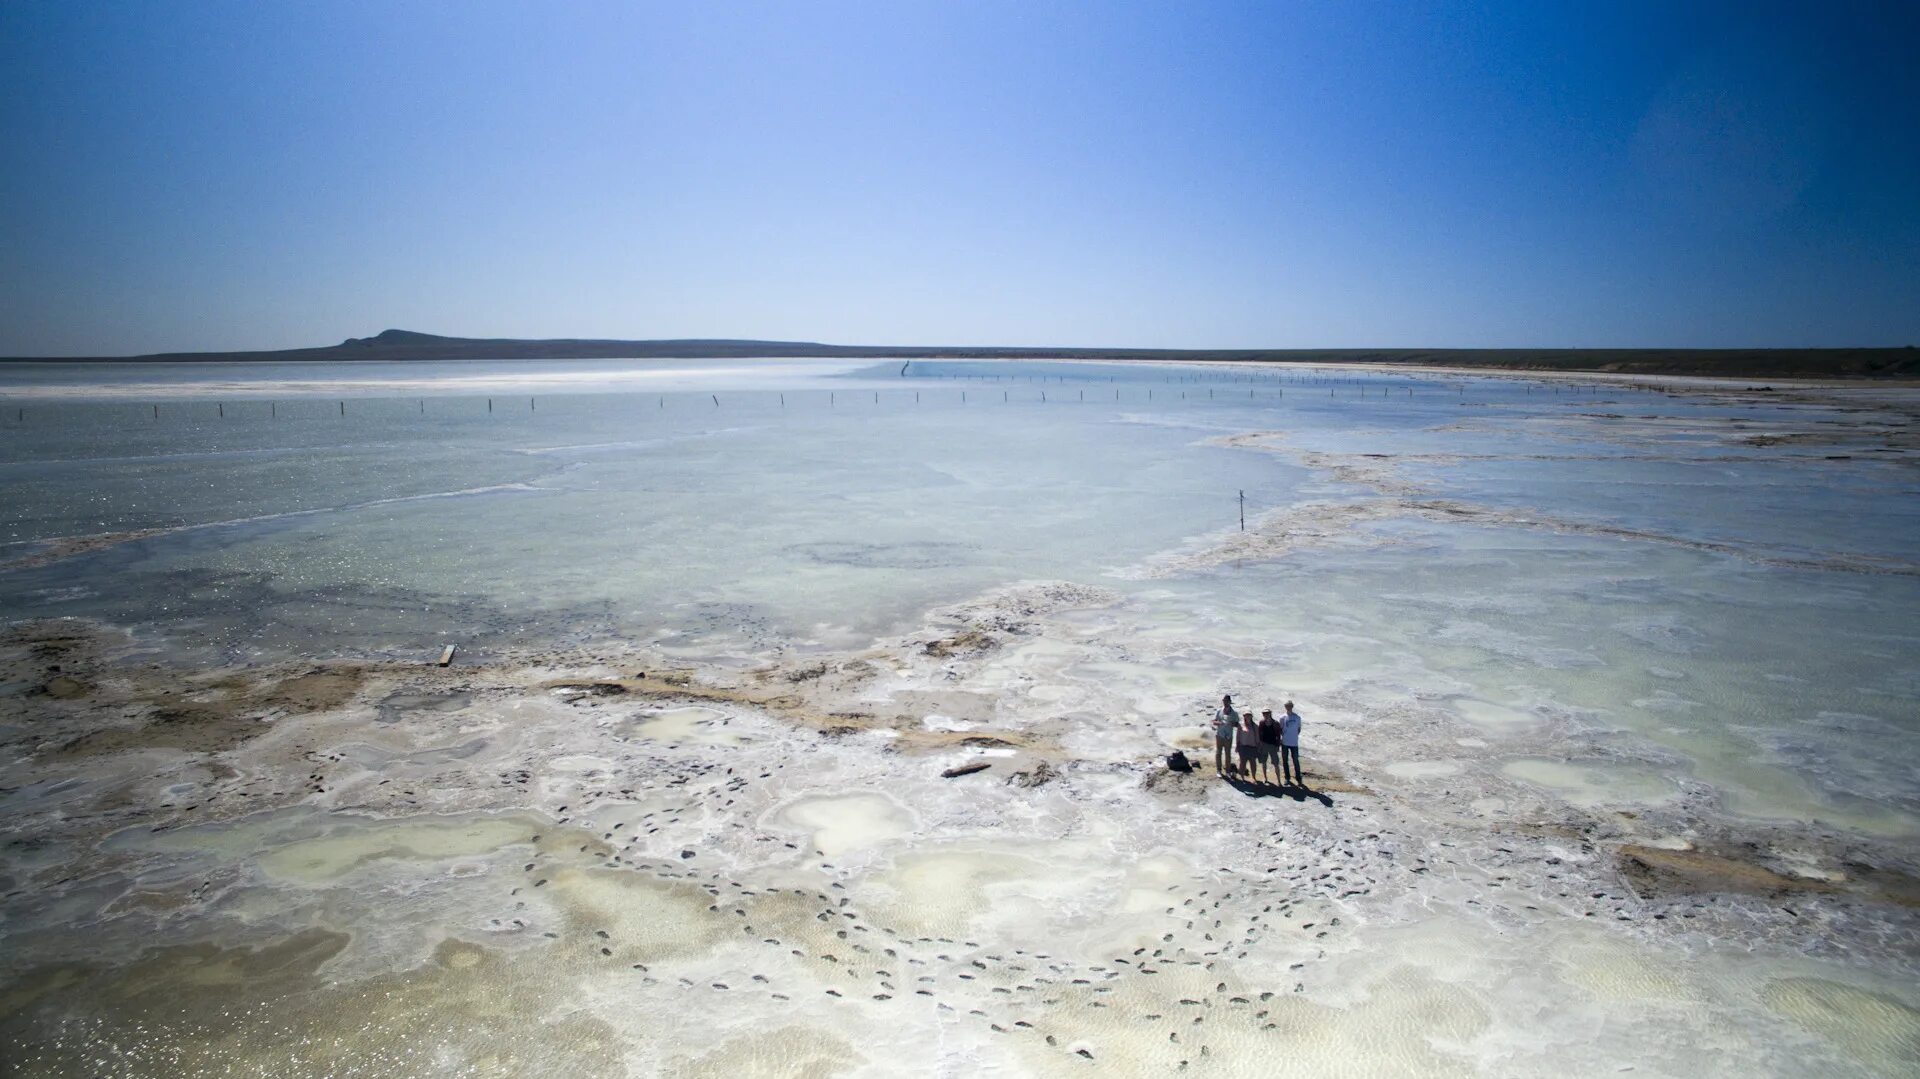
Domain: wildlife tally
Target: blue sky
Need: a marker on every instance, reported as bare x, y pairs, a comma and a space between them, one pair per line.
209, 175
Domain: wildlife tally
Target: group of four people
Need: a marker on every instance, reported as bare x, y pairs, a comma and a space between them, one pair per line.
1266, 743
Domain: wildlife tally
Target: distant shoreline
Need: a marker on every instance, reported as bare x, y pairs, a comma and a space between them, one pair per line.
399, 346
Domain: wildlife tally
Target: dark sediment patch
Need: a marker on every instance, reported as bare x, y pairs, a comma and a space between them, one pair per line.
63, 688
798, 708
212, 716
967, 642
1658, 873
1040, 775
1655, 872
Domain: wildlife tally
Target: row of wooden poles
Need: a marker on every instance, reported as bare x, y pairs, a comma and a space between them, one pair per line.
1360, 388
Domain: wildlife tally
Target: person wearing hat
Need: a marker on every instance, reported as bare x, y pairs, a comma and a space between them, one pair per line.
1290, 747
1225, 722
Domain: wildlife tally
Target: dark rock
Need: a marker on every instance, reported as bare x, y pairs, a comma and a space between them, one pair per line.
1042, 774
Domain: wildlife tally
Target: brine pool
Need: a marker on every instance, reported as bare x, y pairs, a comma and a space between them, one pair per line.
1535, 626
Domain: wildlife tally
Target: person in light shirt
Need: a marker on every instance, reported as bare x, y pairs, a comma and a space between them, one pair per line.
1224, 722
1290, 747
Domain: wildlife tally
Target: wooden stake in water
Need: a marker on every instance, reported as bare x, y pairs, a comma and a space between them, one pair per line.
1243, 511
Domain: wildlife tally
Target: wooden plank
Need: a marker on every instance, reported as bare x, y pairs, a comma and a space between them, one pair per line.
446, 657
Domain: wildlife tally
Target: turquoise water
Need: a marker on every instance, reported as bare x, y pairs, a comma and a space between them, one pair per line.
1742, 614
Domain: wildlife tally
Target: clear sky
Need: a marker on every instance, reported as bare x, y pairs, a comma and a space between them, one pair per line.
213, 175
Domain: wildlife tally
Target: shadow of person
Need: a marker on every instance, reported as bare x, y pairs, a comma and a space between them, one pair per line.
1251, 788
1259, 788
1254, 788
1301, 792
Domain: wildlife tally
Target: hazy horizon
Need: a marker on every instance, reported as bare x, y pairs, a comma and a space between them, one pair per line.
226, 177
916, 345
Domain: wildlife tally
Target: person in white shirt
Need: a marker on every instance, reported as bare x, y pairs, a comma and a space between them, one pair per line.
1290, 747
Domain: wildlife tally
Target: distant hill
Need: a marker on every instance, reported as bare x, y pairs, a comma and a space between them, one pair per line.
1745, 363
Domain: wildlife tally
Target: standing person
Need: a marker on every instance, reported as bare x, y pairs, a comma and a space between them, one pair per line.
1224, 722
1270, 744
1246, 739
1290, 746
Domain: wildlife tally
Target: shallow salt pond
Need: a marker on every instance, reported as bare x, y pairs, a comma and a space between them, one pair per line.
1423, 769
1594, 783
320, 861
1019, 893
1495, 716
311, 849
839, 824
684, 726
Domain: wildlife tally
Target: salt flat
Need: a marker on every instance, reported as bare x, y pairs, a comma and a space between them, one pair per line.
1609, 696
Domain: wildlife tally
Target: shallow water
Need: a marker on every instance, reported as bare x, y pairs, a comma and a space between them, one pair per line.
817, 505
